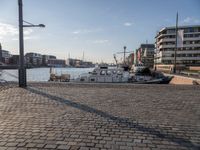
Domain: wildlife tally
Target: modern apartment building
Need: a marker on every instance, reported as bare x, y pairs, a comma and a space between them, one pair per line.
45, 59
33, 59
145, 55
188, 54
14, 60
0, 53
79, 63
4, 56
56, 63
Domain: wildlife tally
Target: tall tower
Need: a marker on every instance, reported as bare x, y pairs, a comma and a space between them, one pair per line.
0, 53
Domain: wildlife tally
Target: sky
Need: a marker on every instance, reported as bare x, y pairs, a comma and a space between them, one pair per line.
97, 28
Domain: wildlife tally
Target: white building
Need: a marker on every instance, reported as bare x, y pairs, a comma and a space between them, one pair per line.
188, 54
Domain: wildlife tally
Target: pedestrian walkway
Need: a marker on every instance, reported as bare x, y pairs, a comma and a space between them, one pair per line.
99, 116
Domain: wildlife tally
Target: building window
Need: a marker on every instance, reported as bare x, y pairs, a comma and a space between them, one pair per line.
170, 31
195, 29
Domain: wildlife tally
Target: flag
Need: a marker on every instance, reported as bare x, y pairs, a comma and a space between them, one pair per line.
180, 38
140, 55
132, 58
145, 52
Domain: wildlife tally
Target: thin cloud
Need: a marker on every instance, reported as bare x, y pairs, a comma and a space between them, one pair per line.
31, 37
100, 41
128, 24
191, 20
86, 31
8, 30
28, 31
76, 32
26, 38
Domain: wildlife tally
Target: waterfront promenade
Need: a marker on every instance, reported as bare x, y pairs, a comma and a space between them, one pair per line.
99, 116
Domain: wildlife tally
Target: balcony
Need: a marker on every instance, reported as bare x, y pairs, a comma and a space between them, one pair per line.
173, 39
191, 39
181, 58
182, 52
162, 35
167, 34
166, 40
173, 45
191, 45
167, 46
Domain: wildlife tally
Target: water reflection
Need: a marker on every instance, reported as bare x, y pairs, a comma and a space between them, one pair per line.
42, 74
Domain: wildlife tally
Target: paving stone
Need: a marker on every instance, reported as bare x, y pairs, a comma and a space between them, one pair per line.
84, 148
50, 146
65, 147
2, 143
11, 148
40, 145
31, 145
3, 148
94, 148
22, 148
11, 144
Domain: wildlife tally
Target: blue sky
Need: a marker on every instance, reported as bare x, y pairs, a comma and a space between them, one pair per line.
100, 28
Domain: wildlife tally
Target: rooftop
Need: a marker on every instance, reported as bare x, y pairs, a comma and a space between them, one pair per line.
180, 27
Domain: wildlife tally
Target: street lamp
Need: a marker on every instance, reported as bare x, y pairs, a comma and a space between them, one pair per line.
28, 24
22, 69
124, 55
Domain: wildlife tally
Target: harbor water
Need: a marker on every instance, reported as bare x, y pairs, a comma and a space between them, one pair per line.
42, 74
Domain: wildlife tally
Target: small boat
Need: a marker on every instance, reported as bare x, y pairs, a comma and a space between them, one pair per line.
60, 78
104, 74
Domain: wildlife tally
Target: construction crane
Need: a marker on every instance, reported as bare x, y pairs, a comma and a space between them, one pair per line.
124, 52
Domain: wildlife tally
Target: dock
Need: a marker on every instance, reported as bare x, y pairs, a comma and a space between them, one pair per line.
75, 116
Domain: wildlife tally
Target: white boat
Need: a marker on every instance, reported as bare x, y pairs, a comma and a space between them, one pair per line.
104, 74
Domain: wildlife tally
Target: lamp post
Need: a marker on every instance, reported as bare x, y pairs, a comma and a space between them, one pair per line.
22, 69
124, 55
175, 50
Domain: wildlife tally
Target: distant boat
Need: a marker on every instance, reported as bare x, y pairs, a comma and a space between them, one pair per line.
61, 78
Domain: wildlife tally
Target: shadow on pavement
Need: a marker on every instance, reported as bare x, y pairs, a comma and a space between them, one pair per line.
125, 121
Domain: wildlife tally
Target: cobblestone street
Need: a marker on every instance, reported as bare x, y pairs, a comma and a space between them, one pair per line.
99, 116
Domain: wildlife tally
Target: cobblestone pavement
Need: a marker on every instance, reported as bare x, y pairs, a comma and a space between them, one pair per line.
99, 116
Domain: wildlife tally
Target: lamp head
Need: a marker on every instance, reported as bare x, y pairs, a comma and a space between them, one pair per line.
41, 25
